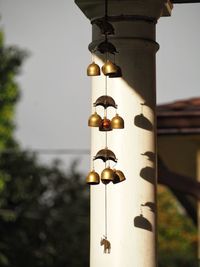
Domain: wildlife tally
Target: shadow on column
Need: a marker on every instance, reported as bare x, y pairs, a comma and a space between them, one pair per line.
142, 122
150, 156
142, 223
148, 174
150, 205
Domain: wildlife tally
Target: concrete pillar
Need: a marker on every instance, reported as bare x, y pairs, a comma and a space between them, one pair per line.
131, 205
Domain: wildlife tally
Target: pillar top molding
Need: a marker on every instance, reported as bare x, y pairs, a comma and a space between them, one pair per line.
94, 9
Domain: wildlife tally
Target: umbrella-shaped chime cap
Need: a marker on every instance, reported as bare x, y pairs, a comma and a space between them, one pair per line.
105, 101
105, 154
106, 47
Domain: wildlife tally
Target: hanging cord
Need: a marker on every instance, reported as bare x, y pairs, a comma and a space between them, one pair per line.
105, 114
106, 212
142, 106
106, 9
106, 18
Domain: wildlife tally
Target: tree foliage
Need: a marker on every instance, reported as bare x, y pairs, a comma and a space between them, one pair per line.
44, 217
10, 62
177, 235
44, 212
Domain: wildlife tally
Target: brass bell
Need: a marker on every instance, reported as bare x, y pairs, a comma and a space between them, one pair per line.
107, 175
118, 177
117, 74
105, 125
117, 122
94, 120
93, 178
93, 69
109, 68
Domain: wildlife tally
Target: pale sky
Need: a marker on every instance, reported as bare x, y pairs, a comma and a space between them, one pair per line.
55, 102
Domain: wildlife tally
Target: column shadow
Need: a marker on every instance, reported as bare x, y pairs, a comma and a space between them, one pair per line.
142, 122
142, 223
148, 174
150, 156
150, 205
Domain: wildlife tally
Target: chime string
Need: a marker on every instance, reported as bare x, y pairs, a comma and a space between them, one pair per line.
105, 211
106, 139
106, 9
106, 92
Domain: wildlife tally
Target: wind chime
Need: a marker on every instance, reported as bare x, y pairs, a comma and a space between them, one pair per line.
110, 70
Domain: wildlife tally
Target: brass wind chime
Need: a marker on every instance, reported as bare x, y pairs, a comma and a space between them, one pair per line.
110, 70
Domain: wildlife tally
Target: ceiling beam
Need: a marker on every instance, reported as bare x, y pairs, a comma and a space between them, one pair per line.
185, 1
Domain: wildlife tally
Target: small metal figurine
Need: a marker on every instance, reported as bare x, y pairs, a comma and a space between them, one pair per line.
107, 245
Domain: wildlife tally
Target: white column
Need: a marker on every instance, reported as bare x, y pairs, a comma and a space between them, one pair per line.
198, 205
131, 204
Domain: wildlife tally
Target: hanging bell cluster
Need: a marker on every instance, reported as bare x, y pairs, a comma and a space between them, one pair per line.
111, 70
108, 174
105, 124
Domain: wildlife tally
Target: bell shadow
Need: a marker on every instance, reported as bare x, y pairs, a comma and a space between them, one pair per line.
141, 222
148, 174
150, 155
142, 122
150, 205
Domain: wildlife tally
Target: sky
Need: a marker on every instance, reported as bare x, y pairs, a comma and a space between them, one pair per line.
55, 91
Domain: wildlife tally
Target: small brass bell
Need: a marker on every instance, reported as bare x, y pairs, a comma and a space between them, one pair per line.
117, 74
105, 125
109, 68
93, 69
95, 120
93, 178
117, 122
107, 175
118, 177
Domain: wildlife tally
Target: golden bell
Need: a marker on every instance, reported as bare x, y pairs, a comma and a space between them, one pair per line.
107, 175
118, 177
109, 68
95, 120
93, 178
117, 122
93, 70
117, 74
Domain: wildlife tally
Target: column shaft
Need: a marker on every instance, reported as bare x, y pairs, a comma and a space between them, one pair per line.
131, 218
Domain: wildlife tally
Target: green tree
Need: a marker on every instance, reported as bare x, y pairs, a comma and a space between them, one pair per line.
44, 212
177, 234
10, 62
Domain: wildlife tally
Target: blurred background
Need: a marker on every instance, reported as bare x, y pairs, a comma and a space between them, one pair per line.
45, 141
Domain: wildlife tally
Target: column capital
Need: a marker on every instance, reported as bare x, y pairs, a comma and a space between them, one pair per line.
154, 9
